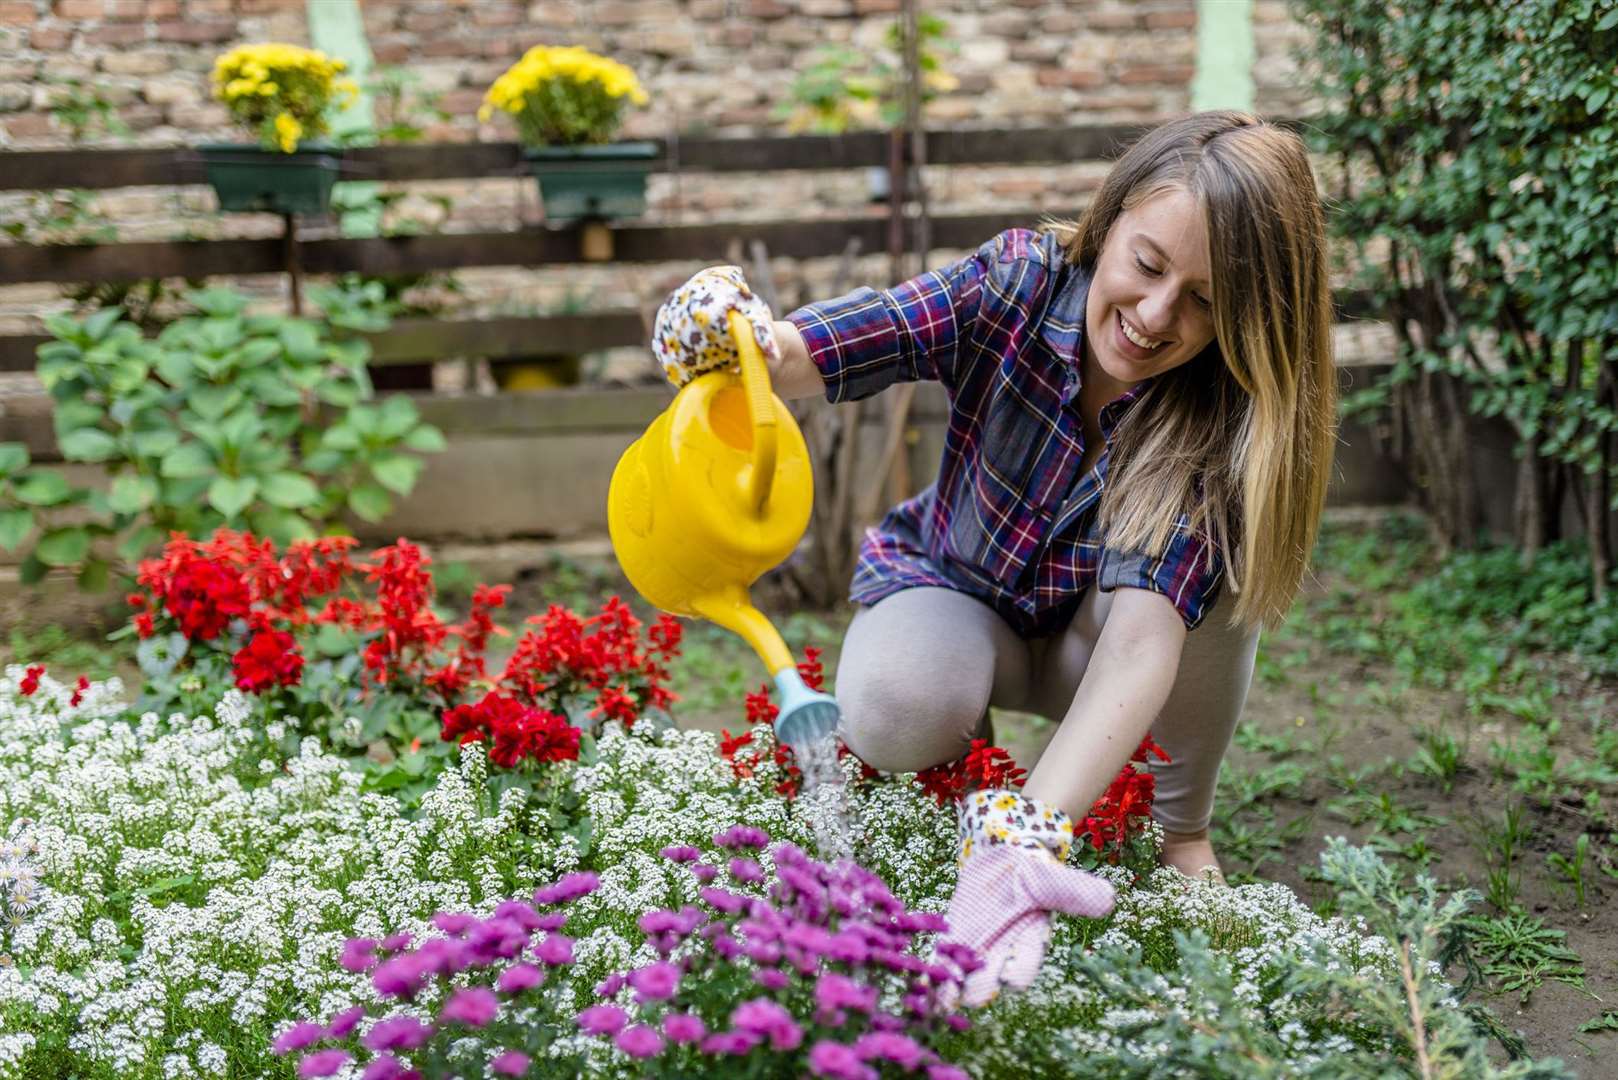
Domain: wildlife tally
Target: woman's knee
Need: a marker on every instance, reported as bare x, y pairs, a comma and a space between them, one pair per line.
904, 727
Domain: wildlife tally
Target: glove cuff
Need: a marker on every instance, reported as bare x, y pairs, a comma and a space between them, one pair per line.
1002, 817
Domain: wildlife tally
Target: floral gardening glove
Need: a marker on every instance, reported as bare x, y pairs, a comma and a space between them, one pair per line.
692, 333
1012, 877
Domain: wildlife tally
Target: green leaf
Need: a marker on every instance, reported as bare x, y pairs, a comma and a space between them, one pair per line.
155, 443
340, 437
230, 495
43, 487
1608, 21
397, 472
87, 444
290, 490
396, 417
131, 493
370, 502
15, 525
13, 457
301, 341
95, 575
425, 438
188, 461
31, 571
63, 547
282, 526
97, 325
213, 402
139, 542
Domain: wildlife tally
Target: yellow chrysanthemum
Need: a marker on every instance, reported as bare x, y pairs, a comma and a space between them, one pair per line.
282, 91
563, 95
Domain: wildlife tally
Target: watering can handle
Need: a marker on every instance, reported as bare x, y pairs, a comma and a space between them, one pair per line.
760, 409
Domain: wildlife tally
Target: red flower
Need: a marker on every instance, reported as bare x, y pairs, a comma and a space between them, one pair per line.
1126, 805
78, 691
984, 766
145, 626
515, 732
269, 659
729, 744
30, 679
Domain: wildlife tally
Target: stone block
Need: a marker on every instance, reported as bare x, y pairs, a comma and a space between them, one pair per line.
50, 39
171, 92
18, 13
825, 9
1158, 74
197, 31
79, 9
136, 62
265, 7
391, 52
765, 9
126, 10
196, 8
198, 116
489, 14
15, 97
1112, 20
429, 21
162, 9
18, 69
30, 125
1075, 80
552, 13
116, 35
1171, 20
876, 7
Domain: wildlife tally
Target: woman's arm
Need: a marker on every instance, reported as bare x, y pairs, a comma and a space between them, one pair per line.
1124, 687
794, 375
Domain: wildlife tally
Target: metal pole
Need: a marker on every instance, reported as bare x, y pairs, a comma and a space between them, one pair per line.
289, 255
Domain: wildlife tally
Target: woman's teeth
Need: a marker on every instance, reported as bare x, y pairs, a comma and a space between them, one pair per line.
1136, 338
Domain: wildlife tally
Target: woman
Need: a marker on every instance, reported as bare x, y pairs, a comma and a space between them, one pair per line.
1141, 425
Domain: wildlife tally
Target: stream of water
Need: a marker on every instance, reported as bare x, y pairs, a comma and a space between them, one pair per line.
824, 798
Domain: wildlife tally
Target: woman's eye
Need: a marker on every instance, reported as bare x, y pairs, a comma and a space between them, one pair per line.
1203, 302
1147, 270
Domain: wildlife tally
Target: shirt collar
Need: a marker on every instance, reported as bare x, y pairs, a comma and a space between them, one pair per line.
1062, 330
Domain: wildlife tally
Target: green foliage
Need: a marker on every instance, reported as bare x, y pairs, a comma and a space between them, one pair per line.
1397, 1011
224, 418
1477, 140
845, 88
1522, 952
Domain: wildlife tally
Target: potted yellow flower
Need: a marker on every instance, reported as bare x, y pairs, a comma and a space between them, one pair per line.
281, 93
567, 104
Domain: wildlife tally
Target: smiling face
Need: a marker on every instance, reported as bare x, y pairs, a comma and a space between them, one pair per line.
1149, 308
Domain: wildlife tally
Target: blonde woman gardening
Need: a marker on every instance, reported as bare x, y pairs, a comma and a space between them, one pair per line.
1141, 426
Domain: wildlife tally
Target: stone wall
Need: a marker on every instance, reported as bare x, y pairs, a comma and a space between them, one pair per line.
711, 67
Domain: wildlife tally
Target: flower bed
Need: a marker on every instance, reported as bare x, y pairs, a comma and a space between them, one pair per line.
225, 891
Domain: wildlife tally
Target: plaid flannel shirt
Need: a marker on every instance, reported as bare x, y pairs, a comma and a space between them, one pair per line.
1010, 520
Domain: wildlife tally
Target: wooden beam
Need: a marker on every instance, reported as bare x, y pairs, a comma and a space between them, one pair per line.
44, 170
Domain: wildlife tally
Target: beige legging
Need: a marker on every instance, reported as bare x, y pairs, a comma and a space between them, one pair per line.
920, 668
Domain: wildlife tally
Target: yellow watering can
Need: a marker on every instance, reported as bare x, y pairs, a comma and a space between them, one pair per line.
717, 491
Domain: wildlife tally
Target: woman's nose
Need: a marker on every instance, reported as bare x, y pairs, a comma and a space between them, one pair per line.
1156, 310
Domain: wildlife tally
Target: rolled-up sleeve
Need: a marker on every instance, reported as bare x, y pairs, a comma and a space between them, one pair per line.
1190, 573
869, 339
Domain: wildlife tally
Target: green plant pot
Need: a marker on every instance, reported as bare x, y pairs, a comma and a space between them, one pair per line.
607, 181
249, 177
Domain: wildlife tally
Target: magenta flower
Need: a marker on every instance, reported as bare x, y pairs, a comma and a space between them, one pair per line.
359, 954
771, 979
400, 977
640, 1041
520, 913
510, 1063
519, 977
602, 1020
681, 853
838, 1062
556, 950
764, 1017
454, 923
388, 1067
345, 1022
655, 982
569, 889
397, 1033
298, 1037
703, 872
728, 902
322, 1063
395, 942
889, 1046
742, 836
611, 984
730, 1042
473, 1006
746, 870
684, 1027
835, 991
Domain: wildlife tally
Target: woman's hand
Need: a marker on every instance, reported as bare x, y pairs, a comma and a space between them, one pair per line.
1012, 877
691, 334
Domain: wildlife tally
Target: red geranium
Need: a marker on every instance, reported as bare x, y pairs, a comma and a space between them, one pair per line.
1126, 805
268, 660
984, 766
515, 732
30, 679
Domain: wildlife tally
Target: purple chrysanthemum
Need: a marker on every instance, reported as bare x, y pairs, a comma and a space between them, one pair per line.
746, 870
344, 1022
655, 982
742, 836
510, 1063
684, 1027
602, 1020
387, 1067
838, 1062
298, 1037
322, 1063
569, 889
640, 1041
397, 1033
556, 950
519, 977
891, 1046
473, 1006
359, 954
681, 853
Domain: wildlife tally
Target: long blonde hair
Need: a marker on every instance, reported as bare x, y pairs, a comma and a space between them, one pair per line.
1241, 436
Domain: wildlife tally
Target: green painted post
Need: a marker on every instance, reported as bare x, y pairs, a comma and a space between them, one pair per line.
1224, 77
336, 29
